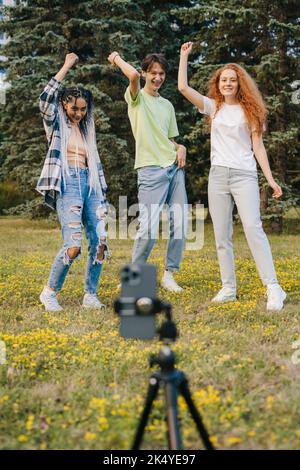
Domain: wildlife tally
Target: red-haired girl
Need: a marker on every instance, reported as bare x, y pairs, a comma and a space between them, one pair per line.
237, 115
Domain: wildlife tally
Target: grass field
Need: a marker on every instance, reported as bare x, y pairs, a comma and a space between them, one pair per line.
71, 382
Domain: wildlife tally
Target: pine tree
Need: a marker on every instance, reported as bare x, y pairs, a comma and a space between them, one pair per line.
42, 32
258, 35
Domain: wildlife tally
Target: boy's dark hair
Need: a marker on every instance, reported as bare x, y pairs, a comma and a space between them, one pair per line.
66, 95
150, 59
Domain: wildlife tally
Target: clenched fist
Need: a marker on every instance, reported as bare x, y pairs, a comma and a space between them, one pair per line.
70, 60
112, 56
186, 48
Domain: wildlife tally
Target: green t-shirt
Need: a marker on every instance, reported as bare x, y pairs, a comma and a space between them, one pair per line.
153, 124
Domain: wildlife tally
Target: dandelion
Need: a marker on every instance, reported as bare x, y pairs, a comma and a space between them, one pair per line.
4, 399
269, 402
103, 423
230, 441
29, 422
90, 436
214, 441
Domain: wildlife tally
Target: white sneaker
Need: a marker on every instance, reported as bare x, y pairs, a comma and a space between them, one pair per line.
225, 295
49, 300
91, 301
169, 283
276, 297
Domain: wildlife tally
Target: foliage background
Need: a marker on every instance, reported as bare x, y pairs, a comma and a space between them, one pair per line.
262, 36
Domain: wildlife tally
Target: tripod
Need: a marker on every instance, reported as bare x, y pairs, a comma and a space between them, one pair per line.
174, 381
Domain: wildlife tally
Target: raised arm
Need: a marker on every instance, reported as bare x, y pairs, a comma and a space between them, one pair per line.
48, 98
189, 93
130, 72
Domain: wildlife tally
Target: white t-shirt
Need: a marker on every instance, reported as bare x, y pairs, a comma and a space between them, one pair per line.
231, 144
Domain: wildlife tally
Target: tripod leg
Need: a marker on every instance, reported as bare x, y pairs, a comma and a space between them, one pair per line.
172, 416
151, 395
185, 392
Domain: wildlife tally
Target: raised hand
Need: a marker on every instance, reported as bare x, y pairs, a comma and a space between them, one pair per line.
186, 49
70, 60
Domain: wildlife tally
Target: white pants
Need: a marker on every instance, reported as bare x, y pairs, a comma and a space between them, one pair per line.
227, 186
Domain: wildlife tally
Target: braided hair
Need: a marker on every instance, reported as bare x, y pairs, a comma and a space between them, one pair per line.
66, 95
87, 128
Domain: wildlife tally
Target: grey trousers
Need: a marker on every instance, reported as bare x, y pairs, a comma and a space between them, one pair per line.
227, 186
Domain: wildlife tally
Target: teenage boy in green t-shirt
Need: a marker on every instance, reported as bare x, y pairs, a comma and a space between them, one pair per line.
159, 161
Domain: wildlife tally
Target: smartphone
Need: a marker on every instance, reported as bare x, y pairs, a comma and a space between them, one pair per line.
137, 282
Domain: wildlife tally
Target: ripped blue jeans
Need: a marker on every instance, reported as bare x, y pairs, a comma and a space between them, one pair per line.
77, 209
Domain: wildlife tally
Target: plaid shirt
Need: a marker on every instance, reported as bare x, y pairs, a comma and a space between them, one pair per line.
49, 183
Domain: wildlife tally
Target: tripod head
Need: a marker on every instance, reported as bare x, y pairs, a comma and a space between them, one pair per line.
165, 359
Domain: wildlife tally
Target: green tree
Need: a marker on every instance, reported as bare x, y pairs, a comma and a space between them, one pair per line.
42, 32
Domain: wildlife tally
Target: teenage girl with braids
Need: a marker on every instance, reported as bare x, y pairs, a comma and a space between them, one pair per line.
73, 183
237, 115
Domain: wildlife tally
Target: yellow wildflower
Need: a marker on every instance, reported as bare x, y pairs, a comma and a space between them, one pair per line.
90, 436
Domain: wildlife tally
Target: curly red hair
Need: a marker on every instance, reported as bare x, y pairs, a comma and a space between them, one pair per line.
248, 96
